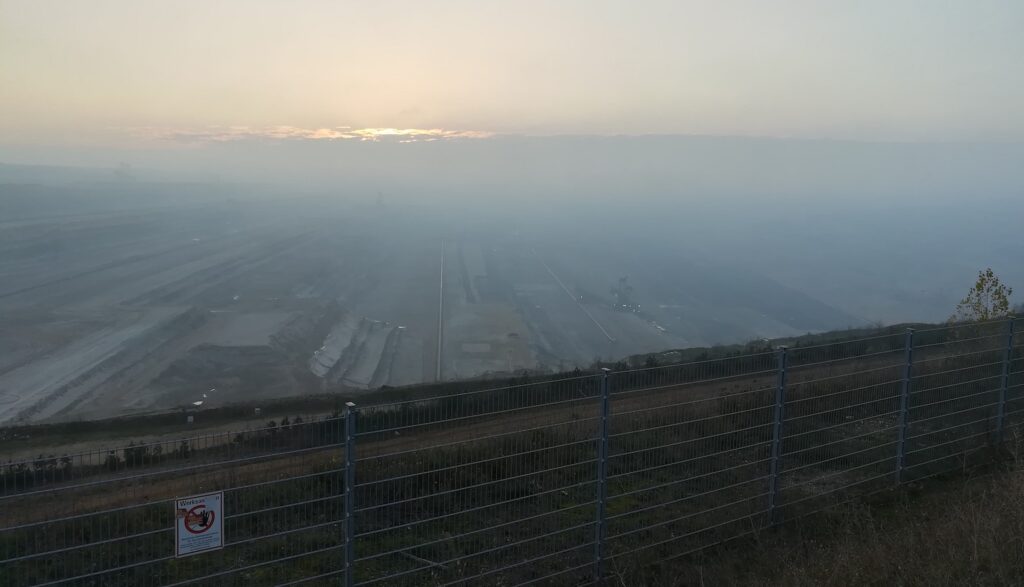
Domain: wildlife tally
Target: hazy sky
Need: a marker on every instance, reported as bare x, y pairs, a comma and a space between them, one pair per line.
116, 72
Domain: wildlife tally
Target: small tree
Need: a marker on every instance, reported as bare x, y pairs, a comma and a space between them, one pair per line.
989, 299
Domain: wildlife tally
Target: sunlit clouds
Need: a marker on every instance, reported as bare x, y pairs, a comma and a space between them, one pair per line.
220, 134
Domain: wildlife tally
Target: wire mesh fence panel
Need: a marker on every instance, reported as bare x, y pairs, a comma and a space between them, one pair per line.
688, 455
493, 486
841, 420
954, 399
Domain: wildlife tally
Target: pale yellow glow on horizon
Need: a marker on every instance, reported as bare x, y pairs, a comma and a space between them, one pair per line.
236, 133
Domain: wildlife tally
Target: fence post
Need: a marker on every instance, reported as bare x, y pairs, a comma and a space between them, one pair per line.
1005, 384
351, 415
908, 374
780, 413
602, 476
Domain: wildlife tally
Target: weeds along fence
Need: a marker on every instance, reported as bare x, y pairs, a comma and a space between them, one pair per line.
551, 482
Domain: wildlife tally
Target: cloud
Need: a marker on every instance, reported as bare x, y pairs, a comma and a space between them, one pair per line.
220, 134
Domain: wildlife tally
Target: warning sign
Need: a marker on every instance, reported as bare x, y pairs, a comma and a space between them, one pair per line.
198, 523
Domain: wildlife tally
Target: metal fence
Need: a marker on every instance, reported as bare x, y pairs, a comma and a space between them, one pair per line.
555, 481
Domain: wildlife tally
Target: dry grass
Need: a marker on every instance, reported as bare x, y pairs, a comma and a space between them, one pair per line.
955, 531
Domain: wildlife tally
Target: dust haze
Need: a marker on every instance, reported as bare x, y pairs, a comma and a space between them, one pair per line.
136, 281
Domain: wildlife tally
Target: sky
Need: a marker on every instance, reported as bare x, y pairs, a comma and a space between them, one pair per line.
130, 73
842, 144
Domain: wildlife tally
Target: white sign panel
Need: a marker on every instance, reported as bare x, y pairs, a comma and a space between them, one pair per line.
199, 521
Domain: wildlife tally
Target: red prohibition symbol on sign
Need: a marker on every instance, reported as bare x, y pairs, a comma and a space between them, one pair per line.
197, 522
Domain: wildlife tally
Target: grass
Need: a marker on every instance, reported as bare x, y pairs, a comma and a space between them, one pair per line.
958, 530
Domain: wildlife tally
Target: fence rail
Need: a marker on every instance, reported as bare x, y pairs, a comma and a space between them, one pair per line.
556, 481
